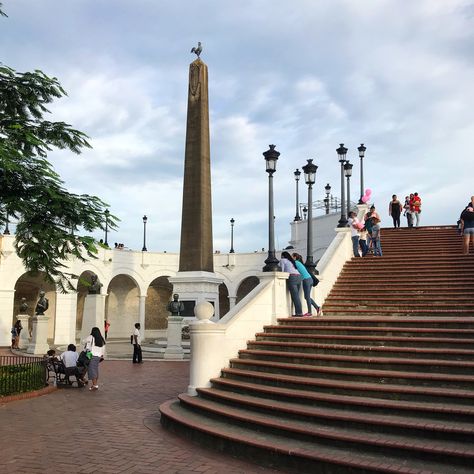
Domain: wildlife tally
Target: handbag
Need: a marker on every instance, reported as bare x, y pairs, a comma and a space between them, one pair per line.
315, 280
83, 359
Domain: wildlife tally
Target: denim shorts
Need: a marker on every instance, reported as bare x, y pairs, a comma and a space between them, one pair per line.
469, 231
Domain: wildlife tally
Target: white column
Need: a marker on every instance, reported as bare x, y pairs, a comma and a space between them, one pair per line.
94, 314
39, 341
6, 316
141, 313
232, 300
65, 319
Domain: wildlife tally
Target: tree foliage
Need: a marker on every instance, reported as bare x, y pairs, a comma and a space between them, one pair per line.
49, 217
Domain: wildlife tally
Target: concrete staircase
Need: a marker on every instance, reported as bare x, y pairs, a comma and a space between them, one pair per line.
384, 382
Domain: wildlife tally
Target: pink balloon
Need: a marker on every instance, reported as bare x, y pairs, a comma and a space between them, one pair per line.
365, 198
368, 192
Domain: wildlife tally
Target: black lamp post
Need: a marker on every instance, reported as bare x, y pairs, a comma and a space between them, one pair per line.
145, 219
7, 230
327, 188
341, 153
232, 222
361, 149
348, 174
310, 178
271, 157
107, 212
297, 174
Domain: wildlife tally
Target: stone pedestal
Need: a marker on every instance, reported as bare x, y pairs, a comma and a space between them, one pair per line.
39, 344
24, 334
94, 314
174, 349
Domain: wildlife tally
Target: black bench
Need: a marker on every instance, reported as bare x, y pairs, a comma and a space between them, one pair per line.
62, 375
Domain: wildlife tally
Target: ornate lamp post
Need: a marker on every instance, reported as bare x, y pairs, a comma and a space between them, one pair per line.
297, 174
361, 149
145, 219
310, 178
348, 174
271, 157
341, 153
232, 222
107, 212
327, 188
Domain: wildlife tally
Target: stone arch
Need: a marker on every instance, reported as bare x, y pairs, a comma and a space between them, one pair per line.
28, 286
122, 305
224, 303
158, 295
246, 286
133, 275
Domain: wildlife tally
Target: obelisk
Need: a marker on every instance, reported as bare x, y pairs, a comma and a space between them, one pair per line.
196, 281
196, 224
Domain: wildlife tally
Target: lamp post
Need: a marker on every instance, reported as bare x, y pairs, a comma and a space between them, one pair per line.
232, 222
361, 149
145, 219
271, 157
297, 174
348, 174
341, 153
310, 177
327, 188
7, 230
107, 212
305, 211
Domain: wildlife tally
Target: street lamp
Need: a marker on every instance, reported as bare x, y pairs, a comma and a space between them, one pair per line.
271, 157
107, 212
341, 153
297, 174
361, 149
348, 174
327, 188
7, 230
145, 219
232, 222
310, 178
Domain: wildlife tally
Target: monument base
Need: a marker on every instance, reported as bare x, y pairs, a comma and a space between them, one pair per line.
94, 314
174, 350
39, 344
197, 287
24, 334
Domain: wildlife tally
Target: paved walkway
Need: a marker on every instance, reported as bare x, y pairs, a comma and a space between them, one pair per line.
114, 430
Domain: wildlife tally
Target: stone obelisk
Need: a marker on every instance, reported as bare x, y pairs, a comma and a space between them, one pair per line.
196, 224
196, 281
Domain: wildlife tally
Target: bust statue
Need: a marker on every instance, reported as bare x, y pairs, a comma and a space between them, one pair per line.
95, 286
175, 307
42, 305
23, 306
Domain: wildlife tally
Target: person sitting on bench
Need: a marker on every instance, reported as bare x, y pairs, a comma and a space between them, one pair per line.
69, 359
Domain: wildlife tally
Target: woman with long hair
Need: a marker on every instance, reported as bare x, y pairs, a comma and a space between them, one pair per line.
95, 343
287, 264
307, 284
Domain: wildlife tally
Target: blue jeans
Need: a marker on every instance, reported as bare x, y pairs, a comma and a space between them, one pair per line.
363, 247
307, 287
355, 245
294, 285
377, 247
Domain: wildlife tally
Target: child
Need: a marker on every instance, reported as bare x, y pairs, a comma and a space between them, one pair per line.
376, 236
363, 241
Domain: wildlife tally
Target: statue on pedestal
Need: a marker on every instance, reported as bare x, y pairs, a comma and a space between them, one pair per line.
175, 307
95, 286
42, 305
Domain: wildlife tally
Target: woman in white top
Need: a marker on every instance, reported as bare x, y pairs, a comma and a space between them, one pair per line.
287, 264
95, 343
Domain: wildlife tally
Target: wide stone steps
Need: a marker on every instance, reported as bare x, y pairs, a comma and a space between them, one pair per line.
382, 383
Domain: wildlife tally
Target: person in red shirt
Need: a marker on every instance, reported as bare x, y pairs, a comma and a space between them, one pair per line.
415, 207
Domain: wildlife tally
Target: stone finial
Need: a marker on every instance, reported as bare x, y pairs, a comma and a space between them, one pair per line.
204, 311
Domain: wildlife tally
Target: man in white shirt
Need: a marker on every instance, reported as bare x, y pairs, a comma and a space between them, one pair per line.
69, 359
353, 224
137, 348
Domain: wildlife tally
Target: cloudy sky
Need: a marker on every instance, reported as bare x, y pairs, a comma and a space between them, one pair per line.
305, 75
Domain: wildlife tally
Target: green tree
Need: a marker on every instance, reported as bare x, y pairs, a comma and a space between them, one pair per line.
50, 219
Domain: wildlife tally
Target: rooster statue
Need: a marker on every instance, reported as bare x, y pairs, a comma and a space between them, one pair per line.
197, 50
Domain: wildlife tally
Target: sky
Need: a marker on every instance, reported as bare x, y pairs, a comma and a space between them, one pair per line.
396, 75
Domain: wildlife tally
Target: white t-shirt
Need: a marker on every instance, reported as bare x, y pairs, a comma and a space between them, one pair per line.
96, 350
136, 332
353, 221
69, 358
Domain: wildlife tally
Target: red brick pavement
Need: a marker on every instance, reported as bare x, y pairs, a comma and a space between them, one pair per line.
114, 430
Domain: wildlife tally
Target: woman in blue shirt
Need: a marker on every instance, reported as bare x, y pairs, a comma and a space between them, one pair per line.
287, 264
307, 284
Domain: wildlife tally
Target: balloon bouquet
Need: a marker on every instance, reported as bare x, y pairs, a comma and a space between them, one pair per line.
365, 198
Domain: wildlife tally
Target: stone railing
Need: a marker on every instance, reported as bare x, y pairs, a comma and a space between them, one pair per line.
214, 343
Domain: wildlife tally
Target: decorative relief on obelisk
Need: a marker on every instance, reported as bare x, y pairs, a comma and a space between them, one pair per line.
194, 84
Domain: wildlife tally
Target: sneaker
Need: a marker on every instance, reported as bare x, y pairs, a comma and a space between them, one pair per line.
307, 315
94, 387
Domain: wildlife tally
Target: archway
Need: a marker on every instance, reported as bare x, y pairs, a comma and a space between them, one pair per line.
246, 286
28, 286
121, 307
224, 304
158, 295
82, 291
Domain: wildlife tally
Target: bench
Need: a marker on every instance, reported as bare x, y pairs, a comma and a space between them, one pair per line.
62, 376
